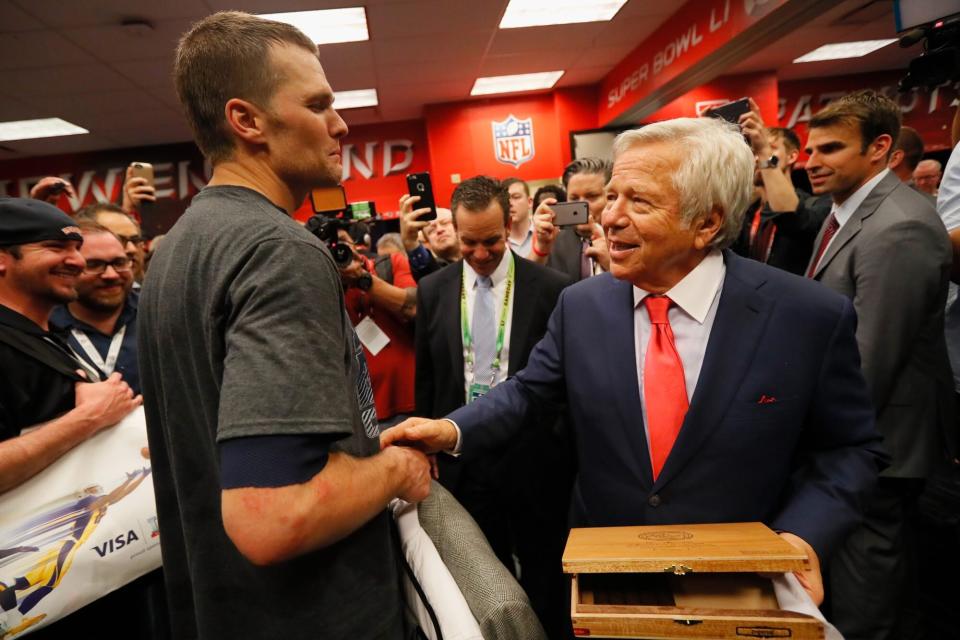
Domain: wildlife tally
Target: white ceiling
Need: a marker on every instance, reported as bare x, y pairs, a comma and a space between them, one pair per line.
73, 59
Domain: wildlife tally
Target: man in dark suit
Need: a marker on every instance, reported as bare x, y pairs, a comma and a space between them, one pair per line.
701, 387
884, 247
580, 251
477, 321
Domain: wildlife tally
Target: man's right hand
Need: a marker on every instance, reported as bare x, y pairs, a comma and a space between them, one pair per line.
410, 224
429, 436
105, 403
753, 128
135, 191
412, 469
50, 188
544, 230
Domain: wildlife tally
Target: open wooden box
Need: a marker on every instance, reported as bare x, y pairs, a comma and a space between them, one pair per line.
682, 581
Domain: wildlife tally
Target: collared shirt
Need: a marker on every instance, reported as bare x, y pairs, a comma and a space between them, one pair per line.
948, 206
691, 318
32, 391
127, 364
524, 247
843, 212
499, 280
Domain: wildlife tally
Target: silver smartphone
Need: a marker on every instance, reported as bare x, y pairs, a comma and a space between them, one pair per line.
570, 213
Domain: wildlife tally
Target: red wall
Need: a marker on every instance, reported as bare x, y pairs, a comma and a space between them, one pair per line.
929, 112
762, 87
461, 139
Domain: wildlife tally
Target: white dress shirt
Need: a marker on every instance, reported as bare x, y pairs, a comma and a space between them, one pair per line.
525, 246
843, 212
695, 299
499, 280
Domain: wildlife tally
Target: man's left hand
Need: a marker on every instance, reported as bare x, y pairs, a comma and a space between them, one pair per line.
753, 128
352, 272
810, 579
50, 188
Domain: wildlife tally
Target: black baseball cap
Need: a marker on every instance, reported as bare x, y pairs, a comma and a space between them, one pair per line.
25, 220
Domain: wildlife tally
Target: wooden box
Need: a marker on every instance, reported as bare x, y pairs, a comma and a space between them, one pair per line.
682, 581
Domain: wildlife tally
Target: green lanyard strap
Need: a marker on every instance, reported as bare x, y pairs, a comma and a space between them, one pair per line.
501, 329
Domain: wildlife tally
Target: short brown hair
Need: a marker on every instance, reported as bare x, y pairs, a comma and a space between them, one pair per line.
476, 194
509, 182
226, 56
88, 226
786, 135
911, 144
874, 113
595, 166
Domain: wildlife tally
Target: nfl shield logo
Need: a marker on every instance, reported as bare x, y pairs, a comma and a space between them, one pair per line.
513, 140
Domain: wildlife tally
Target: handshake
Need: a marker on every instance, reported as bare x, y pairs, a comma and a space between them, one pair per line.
411, 446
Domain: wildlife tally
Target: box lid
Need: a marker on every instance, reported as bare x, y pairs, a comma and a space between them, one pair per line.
729, 547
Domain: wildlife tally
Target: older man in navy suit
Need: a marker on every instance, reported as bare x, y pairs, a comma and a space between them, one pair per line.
702, 387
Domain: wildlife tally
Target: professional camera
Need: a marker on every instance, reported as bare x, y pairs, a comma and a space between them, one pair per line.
940, 32
326, 228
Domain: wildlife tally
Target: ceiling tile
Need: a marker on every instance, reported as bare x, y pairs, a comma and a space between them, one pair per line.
64, 81
82, 13
430, 17
564, 37
113, 42
13, 18
34, 49
456, 48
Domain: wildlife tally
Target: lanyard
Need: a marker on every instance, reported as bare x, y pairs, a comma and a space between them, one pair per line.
108, 365
501, 328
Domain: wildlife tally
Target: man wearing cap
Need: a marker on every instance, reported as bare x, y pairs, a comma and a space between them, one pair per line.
45, 384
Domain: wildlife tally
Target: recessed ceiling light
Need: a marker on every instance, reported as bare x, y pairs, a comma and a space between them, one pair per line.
844, 50
327, 26
512, 84
42, 128
355, 99
536, 13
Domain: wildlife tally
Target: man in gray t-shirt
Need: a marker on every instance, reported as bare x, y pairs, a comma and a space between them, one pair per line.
271, 489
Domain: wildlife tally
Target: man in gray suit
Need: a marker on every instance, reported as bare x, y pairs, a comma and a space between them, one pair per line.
884, 247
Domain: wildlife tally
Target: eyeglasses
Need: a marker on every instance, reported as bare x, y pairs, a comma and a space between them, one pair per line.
98, 267
137, 240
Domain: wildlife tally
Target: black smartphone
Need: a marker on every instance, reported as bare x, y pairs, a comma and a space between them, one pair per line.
731, 111
418, 184
570, 213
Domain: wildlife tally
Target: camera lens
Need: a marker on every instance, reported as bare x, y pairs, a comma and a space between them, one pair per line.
342, 255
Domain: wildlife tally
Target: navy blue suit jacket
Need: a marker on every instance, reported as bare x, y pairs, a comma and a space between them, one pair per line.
801, 463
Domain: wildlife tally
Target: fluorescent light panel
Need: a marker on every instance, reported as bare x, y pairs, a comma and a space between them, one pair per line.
537, 13
355, 99
327, 26
512, 84
842, 50
42, 128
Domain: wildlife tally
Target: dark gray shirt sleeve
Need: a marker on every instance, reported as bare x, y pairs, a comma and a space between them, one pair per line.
286, 369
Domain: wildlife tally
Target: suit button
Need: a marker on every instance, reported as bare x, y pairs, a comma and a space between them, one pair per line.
654, 501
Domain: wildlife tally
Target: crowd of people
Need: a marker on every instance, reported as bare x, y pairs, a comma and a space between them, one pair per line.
714, 344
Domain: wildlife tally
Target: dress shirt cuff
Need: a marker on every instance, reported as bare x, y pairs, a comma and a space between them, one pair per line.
455, 452
419, 257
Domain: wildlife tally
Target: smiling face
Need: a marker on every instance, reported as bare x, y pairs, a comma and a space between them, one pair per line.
483, 237
838, 164
302, 130
441, 235
45, 271
107, 291
650, 245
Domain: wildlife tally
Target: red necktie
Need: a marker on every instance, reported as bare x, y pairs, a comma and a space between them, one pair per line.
828, 233
664, 387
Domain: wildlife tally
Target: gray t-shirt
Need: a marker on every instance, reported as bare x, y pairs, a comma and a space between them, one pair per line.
243, 332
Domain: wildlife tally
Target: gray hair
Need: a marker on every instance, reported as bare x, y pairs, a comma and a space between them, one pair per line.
930, 162
390, 239
716, 169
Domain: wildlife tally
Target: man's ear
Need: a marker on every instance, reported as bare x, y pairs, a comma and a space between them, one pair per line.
880, 148
791, 158
707, 228
246, 120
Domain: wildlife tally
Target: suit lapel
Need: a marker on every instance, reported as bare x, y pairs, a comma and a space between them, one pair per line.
855, 223
741, 316
619, 333
450, 299
524, 301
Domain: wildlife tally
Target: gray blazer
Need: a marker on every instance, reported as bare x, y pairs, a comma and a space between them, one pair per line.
496, 600
892, 259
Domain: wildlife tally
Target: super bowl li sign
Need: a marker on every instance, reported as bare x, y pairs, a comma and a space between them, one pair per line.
513, 140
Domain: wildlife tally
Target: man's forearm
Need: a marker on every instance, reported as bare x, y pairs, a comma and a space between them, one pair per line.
273, 525
23, 457
398, 301
781, 196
